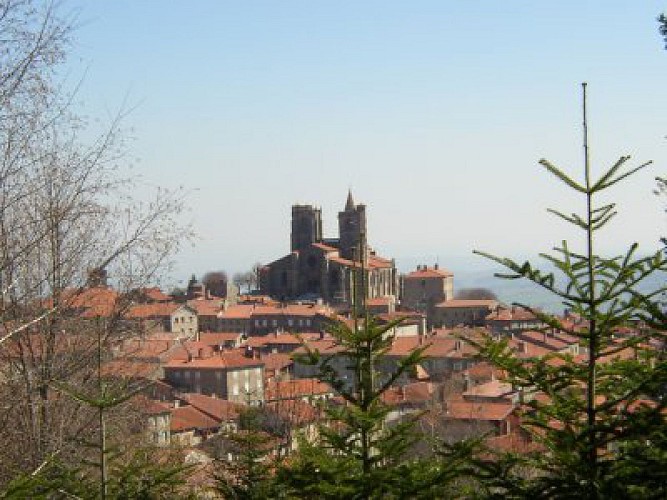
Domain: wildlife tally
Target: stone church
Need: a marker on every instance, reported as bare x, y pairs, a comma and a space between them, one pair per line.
329, 268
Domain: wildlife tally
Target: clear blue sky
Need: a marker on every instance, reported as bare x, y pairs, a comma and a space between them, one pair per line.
434, 112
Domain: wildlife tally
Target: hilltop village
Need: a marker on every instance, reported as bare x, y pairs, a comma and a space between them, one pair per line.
203, 359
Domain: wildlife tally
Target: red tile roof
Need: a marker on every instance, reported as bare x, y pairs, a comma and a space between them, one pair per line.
218, 409
474, 410
149, 406
186, 418
150, 311
239, 311
130, 368
429, 272
155, 294
206, 307
514, 313
297, 388
276, 361
217, 338
225, 360
490, 389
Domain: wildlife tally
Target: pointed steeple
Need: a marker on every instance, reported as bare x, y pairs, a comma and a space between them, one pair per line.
349, 205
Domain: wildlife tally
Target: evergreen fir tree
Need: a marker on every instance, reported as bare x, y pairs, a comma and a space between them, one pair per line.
601, 416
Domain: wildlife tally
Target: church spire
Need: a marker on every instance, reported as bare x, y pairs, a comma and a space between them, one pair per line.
349, 206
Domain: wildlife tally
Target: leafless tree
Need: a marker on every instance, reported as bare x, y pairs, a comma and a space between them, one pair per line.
66, 215
216, 282
476, 294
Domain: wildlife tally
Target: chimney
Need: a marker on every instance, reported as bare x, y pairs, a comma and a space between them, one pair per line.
458, 345
523, 347
436, 266
177, 403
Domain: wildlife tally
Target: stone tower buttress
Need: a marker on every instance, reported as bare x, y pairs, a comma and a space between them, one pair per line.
306, 226
351, 225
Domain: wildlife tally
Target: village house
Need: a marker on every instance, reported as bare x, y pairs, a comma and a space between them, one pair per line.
462, 312
425, 287
510, 320
227, 375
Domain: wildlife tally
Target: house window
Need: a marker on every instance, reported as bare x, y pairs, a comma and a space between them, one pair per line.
176, 320
307, 322
275, 322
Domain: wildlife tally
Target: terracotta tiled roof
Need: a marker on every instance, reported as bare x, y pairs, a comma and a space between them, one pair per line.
217, 338
239, 311
130, 368
374, 262
149, 406
288, 338
225, 360
546, 340
436, 347
490, 389
96, 297
514, 442
305, 310
138, 348
418, 392
297, 388
484, 371
155, 294
429, 272
514, 313
149, 311
276, 361
216, 408
469, 410
186, 418
205, 307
